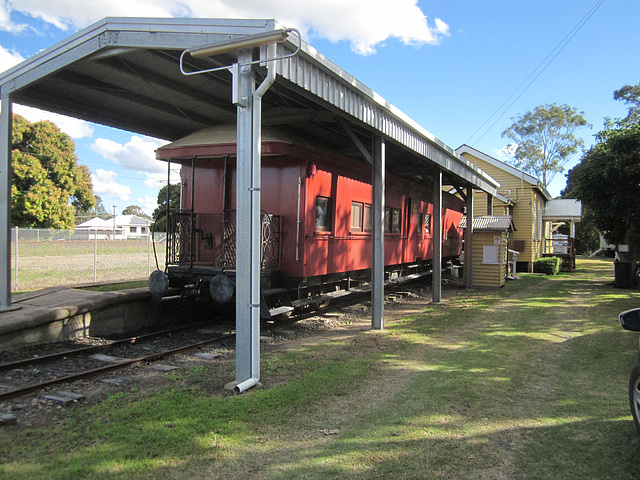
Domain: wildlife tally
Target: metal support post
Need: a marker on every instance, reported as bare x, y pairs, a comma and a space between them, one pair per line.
468, 240
6, 121
245, 310
437, 236
377, 261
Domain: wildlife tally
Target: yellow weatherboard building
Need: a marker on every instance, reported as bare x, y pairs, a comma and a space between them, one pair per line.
535, 215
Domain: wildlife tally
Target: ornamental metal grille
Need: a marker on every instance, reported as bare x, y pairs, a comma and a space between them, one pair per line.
229, 240
179, 230
220, 237
270, 240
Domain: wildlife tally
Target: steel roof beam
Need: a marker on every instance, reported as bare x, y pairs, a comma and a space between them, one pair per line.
355, 140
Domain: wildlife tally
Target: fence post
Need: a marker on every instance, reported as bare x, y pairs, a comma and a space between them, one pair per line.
15, 262
95, 256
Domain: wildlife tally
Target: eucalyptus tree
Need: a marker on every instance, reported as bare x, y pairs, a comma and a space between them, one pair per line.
630, 94
545, 139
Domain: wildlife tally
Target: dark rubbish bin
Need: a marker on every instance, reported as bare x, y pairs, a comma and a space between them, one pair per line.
622, 274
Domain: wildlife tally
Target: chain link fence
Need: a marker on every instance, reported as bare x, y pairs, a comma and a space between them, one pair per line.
43, 258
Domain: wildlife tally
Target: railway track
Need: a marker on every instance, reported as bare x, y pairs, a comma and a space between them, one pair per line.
21, 377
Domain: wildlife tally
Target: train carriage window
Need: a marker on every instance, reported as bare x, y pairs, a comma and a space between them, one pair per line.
395, 222
361, 217
356, 216
392, 219
368, 218
387, 219
427, 224
323, 214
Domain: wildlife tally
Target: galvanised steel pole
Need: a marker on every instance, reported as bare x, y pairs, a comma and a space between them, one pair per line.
377, 270
6, 121
468, 241
437, 236
244, 236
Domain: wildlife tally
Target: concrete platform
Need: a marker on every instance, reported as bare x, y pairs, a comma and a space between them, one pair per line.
59, 314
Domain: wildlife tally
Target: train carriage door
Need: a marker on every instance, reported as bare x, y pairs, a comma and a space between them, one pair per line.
413, 228
406, 231
320, 222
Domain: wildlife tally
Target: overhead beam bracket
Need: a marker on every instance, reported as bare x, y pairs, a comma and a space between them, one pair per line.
356, 141
457, 186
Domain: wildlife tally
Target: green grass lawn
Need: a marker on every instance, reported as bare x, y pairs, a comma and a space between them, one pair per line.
47, 264
525, 382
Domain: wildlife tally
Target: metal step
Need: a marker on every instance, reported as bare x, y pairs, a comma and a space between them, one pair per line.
280, 310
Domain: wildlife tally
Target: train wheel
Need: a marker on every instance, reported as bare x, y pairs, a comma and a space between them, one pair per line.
221, 289
322, 305
634, 395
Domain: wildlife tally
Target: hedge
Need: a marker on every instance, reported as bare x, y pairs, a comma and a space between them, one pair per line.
548, 265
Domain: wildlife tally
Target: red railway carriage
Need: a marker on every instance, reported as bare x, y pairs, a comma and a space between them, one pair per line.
317, 219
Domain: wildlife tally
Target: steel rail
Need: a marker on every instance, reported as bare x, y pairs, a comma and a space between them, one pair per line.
94, 348
19, 392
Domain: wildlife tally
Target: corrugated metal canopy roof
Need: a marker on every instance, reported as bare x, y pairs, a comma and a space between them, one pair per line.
498, 223
563, 209
124, 72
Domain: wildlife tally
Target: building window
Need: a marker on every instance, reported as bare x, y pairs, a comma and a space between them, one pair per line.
540, 224
142, 230
133, 229
490, 255
323, 214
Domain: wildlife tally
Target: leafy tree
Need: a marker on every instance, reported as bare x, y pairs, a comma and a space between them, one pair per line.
98, 210
545, 139
630, 94
160, 213
48, 185
135, 210
607, 180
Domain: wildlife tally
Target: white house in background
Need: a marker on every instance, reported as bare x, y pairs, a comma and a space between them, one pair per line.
122, 227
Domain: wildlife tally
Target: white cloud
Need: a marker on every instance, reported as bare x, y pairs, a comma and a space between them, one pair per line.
159, 180
73, 14
155, 180
5, 19
104, 183
138, 154
73, 127
8, 58
148, 204
364, 24
506, 153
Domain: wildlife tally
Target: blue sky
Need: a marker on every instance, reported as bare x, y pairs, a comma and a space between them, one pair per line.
460, 68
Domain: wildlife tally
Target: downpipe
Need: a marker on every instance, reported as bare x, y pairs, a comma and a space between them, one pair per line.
247, 384
256, 222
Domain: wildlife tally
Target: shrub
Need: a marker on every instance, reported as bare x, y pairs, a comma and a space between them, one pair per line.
548, 265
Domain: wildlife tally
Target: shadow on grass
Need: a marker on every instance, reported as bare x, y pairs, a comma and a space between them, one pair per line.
579, 449
518, 383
